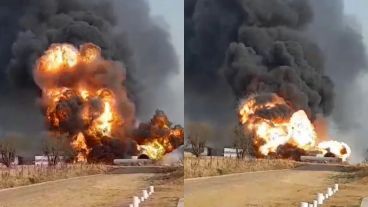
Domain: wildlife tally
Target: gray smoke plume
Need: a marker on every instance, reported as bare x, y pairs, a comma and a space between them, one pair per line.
123, 29
284, 47
341, 41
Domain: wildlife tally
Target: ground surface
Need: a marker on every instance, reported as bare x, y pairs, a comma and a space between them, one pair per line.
169, 189
99, 190
272, 188
115, 189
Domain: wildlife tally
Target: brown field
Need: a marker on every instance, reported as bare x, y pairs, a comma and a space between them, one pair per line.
112, 186
353, 182
211, 166
301, 182
30, 174
101, 190
169, 189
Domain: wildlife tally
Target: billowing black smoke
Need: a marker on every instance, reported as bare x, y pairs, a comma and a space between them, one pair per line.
261, 46
266, 51
280, 110
123, 29
162, 129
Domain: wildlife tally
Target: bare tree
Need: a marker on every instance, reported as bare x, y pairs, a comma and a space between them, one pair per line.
198, 134
54, 148
243, 142
365, 156
7, 151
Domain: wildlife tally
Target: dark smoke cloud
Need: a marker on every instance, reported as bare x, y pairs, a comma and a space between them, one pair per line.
265, 46
154, 57
123, 29
209, 28
157, 128
344, 51
341, 41
275, 60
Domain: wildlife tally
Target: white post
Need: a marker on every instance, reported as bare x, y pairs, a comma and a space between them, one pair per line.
336, 187
142, 199
136, 201
326, 195
315, 203
304, 204
320, 198
130, 205
330, 192
151, 189
145, 194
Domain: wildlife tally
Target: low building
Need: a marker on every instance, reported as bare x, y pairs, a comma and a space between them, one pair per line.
42, 160
232, 152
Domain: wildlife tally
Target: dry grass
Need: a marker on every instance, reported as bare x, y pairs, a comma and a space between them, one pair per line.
350, 173
30, 174
210, 166
169, 188
353, 182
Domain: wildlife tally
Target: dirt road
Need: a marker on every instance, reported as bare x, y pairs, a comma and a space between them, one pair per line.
270, 188
92, 191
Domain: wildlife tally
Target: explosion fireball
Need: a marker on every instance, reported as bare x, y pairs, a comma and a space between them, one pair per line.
275, 127
159, 137
83, 95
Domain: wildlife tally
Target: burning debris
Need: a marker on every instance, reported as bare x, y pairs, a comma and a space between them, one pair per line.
83, 96
277, 129
158, 137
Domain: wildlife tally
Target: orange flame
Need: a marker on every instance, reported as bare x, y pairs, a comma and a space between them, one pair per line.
274, 131
154, 149
80, 146
60, 60
58, 57
162, 138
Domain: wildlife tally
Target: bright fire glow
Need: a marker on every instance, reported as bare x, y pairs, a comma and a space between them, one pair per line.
61, 56
154, 150
79, 143
341, 149
103, 123
273, 124
161, 138
98, 109
84, 98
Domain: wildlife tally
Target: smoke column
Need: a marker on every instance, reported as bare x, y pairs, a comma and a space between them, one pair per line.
267, 46
340, 38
